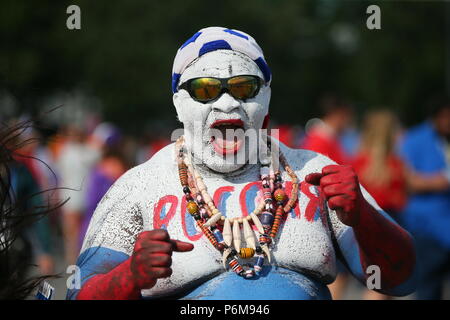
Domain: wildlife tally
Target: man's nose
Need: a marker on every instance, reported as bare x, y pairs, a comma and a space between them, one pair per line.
226, 103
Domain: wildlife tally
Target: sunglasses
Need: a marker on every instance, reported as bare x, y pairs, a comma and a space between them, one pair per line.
206, 89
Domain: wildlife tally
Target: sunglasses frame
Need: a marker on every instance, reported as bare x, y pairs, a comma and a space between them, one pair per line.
224, 86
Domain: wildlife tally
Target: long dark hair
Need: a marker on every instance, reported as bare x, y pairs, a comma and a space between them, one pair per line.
15, 217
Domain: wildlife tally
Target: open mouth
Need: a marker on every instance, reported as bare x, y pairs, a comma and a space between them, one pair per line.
224, 138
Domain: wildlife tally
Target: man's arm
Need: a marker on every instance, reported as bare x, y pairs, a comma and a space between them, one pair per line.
373, 238
151, 260
112, 233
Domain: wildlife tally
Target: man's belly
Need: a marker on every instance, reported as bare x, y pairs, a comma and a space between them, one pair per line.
273, 284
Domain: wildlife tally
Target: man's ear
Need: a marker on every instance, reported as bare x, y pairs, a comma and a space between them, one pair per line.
177, 103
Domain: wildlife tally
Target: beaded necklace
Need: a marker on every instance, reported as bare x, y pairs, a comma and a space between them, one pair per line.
266, 217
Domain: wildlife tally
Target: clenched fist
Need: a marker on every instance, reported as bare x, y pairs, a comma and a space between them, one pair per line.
151, 260
152, 257
340, 186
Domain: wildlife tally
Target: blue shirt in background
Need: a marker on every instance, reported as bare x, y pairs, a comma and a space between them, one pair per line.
427, 214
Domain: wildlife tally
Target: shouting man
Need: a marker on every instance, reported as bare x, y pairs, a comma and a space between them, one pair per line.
252, 218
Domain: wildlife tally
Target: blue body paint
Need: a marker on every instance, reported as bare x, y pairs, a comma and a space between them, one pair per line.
96, 260
273, 284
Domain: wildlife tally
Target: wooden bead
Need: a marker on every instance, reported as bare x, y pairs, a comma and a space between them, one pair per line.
235, 266
264, 239
279, 195
182, 172
203, 208
246, 253
208, 233
276, 222
192, 207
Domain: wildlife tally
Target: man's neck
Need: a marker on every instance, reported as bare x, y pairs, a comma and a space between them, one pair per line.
206, 171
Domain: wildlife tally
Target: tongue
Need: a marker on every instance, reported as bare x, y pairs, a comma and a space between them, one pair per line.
226, 144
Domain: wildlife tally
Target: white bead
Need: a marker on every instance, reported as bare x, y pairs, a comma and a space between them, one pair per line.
257, 223
227, 235
213, 220
236, 235
249, 235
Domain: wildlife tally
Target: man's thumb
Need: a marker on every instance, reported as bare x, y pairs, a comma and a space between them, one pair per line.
181, 246
313, 178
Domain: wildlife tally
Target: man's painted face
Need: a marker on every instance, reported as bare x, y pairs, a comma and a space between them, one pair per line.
203, 122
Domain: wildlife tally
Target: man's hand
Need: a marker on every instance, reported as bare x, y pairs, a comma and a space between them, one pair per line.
381, 242
152, 257
151, 260
340, 187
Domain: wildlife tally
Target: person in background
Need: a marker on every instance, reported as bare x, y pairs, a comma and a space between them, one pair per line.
78, 156
36, 238
425, 149
29, 177
324, 135
380, 170
151, 142
110, 167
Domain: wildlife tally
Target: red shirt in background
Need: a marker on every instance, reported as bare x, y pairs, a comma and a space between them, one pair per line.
390, 196
321, 140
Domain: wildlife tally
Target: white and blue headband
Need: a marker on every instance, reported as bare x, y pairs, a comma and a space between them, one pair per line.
216, 38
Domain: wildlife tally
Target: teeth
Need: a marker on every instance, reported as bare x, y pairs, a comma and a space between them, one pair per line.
226, 253
266, 250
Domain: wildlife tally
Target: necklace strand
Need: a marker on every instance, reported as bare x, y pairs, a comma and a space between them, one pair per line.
210, 220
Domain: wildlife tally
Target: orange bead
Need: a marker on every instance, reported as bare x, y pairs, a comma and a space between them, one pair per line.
279, 195
192, 207
246, 253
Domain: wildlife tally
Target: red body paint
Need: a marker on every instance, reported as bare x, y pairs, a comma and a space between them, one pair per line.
313, 203
162, 203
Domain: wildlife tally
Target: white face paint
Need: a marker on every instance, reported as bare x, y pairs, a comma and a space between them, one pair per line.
198, 117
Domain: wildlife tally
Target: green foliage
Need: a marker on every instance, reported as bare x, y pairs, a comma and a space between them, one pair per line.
123, 54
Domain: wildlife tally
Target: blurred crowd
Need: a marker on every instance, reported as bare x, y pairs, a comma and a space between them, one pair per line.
75, 164
406, 170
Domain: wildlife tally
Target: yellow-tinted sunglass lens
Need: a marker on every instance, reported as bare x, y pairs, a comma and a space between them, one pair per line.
243, 87
205, 89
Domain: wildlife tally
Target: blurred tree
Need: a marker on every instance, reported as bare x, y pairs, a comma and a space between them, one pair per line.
124, 51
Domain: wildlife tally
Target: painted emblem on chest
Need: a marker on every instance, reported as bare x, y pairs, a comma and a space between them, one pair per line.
167, 207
